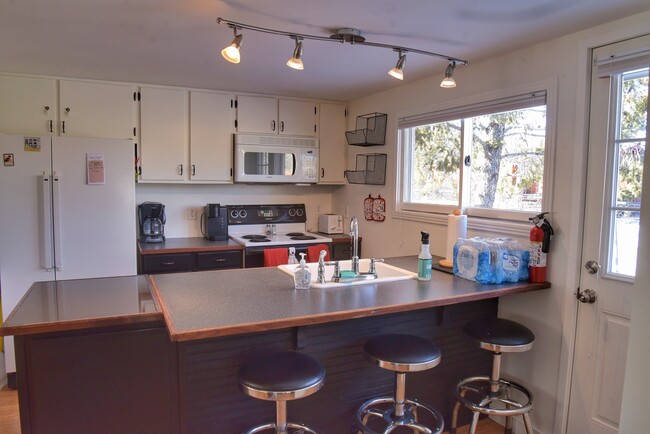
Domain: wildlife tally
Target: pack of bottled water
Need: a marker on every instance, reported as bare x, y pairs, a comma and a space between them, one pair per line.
490, 260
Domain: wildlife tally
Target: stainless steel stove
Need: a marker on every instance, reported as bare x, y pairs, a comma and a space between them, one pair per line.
257, 227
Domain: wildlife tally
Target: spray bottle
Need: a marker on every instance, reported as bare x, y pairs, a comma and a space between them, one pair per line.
424, 258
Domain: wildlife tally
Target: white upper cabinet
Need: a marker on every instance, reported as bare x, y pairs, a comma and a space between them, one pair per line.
102, 110
298, 118
211, 128
267, 115
333, 146
163, 134
27, 105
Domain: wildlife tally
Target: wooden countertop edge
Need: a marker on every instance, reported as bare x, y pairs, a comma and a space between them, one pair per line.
176, 336
155, 293
78, 324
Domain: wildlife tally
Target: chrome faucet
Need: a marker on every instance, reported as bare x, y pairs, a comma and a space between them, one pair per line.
354, 233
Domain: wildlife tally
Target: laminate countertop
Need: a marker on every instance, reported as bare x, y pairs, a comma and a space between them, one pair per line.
65, 305
229, 302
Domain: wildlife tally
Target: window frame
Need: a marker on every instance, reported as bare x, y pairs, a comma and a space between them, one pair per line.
494, 220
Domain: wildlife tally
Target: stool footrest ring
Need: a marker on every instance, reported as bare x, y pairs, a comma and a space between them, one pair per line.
410, 418
300, 428
483, 397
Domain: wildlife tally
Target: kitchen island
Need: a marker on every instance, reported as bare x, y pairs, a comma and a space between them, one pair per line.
176, 370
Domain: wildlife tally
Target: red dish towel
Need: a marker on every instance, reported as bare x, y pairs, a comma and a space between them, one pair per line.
275, 257
314, 251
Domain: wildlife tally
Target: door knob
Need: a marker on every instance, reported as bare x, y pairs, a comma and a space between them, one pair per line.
586, 296
592, 267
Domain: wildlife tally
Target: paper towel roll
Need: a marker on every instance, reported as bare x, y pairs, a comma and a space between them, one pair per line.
456, 228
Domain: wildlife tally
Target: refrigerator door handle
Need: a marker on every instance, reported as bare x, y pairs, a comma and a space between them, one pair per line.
56, 221
47, 259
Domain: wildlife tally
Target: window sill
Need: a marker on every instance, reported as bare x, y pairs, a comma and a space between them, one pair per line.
504, 228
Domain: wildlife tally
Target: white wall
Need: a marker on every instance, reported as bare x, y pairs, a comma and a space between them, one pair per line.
543, 368
178, 198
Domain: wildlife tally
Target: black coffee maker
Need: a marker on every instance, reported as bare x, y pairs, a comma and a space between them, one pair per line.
215, 222
151, 216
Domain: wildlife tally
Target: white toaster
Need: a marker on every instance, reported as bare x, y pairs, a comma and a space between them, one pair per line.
330, 223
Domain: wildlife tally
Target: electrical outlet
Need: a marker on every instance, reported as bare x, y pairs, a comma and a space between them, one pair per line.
191, 213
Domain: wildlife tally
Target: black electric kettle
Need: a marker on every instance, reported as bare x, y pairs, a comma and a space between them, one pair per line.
151, 216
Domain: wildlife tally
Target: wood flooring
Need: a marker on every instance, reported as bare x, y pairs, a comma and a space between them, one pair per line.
10, 422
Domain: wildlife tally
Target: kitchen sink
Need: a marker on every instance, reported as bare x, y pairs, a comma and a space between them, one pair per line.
385, 273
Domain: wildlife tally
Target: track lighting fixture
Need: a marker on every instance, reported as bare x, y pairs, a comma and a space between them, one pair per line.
397, 71
448, 82
296, 61
345, 35
231, 52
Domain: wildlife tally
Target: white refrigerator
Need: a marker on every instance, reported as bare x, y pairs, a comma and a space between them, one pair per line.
67, 212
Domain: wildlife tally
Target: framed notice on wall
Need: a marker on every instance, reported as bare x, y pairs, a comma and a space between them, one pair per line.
95, 169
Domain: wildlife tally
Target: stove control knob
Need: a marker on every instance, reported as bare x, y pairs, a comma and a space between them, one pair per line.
234, 213
299, 212
292, 212
243, 214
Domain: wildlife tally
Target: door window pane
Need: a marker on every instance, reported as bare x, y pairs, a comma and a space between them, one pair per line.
629, 145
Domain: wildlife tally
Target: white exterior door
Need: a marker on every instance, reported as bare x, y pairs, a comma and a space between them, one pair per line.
617, 143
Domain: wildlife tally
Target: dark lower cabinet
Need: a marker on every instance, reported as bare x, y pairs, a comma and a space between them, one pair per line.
342, 251
194, 261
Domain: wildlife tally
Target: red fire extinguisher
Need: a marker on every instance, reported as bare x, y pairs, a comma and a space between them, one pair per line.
540, 242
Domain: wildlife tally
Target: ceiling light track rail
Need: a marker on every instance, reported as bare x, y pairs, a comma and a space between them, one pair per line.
343, 35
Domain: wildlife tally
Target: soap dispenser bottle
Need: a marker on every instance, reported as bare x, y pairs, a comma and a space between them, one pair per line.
424, 258
302, 275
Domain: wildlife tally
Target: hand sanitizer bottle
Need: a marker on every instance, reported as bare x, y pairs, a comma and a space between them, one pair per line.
302, 275
292, 256
424, 258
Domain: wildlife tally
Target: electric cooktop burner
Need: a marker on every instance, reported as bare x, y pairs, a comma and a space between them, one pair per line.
255, 237
295, 234
303, 237
258, 240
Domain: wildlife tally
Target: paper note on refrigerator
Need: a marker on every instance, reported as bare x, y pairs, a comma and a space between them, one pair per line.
95, 168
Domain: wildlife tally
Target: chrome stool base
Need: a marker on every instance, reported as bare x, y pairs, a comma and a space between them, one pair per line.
409, 418
296, 427
481, 403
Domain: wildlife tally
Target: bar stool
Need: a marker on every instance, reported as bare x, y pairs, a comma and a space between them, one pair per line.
400, 353
281, 377
499, 336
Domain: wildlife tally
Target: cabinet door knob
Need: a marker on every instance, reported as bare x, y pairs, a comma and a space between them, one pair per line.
180, 169
272, 125
67, 109
322, 172
281, 126
47, 108
193, 169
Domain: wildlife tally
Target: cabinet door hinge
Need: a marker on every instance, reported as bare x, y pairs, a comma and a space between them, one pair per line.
236, 103
232, 103
139, 96
315, 113
235, 123
135, 96
314, 127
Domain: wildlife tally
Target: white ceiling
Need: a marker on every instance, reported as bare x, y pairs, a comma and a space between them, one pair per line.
177, 42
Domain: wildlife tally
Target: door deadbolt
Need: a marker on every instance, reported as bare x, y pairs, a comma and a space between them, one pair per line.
587, 296
592, 267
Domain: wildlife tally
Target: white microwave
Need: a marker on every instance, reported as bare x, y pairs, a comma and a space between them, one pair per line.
275, 159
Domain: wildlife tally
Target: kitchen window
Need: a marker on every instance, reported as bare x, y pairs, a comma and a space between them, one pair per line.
490, 158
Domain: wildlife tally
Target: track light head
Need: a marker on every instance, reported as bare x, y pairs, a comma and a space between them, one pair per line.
397, 71
448, 82
231, 52
296, 61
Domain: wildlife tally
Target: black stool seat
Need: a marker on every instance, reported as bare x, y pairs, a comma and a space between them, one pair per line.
501, 335
282, 372
401, 352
